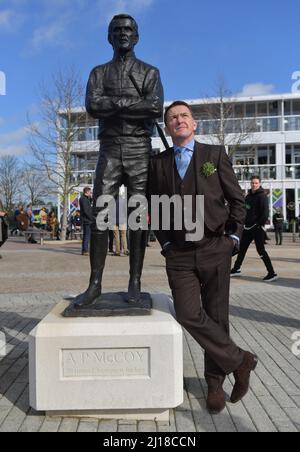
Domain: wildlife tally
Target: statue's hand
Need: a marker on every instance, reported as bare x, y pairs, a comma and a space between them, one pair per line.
125, 102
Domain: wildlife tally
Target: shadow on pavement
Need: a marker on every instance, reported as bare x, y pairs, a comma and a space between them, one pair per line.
13, 366
264, 317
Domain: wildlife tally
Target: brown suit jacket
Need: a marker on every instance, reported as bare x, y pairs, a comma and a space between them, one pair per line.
223, 198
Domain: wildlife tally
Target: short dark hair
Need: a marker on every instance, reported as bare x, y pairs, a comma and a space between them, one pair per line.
123, 16
86, 190
255, 177
177, 103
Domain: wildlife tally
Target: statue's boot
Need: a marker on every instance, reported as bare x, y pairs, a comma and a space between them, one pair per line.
98, 253
138, 242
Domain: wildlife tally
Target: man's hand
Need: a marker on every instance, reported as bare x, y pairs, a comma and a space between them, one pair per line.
166, 249
3, 214
236, 242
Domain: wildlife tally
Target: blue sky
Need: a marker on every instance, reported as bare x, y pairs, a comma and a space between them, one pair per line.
192, 42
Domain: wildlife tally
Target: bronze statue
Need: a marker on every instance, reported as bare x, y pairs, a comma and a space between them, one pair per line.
126, 95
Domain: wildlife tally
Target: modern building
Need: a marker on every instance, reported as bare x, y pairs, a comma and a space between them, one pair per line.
261, 134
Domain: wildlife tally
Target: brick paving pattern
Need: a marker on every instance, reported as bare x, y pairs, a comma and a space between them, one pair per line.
263, 318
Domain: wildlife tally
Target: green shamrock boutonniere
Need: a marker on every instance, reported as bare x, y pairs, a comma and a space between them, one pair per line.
208, 169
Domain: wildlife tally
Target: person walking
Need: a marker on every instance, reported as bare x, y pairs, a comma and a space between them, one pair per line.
257, 206
86, 215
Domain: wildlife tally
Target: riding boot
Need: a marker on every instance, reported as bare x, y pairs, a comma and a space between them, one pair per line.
138, 242
98, 252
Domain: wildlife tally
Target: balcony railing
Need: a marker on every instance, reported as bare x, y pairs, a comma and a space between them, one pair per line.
243, 173
87, 133
212, 126
292, 123
238, 125
292, 171
267, 172
83, 177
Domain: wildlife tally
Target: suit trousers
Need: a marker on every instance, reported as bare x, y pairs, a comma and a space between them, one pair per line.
200, 281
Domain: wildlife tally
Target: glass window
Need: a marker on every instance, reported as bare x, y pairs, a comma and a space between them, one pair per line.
262, 156
287, 107
288, 155
239, 111
272, 153
250, 110
262, 109
274, 108
296, 107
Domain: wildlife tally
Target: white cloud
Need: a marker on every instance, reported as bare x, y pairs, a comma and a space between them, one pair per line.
13, 150
109, 8
49, 35
256, 89
6, 19
10, 20
12, 143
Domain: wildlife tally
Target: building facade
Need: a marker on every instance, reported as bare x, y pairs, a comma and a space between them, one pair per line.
261, 135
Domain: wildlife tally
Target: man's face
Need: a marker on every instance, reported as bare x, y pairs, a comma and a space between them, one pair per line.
123, 36
255, 185
181, 124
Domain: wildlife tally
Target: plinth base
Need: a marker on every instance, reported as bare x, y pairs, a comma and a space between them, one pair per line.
107, 365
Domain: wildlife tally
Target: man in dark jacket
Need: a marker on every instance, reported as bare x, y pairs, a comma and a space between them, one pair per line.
87, 219
199, 271
257, 206
278, 221
126, 122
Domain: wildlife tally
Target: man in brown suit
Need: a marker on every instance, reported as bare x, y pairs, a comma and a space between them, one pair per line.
199, 272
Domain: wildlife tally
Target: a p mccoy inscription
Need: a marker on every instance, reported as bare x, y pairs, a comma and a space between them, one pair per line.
107, 363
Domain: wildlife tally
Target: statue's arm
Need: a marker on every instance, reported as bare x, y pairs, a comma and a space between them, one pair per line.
97, 104
150, 106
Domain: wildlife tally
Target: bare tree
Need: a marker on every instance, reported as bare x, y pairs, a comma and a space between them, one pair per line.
36, 185
226, 123
10, 181
52, 138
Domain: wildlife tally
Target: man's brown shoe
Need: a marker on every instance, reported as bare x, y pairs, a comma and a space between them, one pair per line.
215, 402
242, 377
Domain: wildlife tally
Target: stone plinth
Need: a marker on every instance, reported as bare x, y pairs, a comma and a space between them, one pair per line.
115, 367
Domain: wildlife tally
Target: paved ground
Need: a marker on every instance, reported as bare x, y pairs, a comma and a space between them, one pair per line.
263, 319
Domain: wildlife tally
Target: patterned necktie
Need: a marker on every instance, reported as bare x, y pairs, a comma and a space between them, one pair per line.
183, 160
